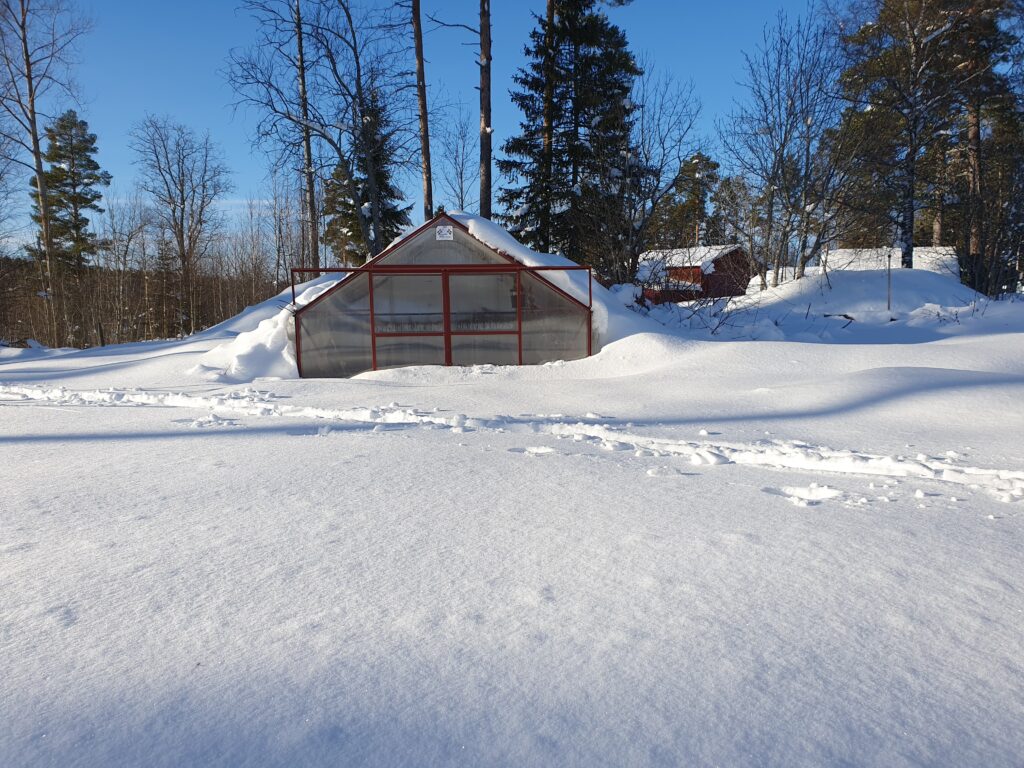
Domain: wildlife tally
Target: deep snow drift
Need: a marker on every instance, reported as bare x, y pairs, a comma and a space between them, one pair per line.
692, 548
844, 306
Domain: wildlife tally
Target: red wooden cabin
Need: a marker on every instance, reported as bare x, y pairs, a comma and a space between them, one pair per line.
685, 274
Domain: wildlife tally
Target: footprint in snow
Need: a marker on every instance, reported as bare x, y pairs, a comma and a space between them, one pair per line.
669, 472
805, 496
65, 614
533, 450
213, 420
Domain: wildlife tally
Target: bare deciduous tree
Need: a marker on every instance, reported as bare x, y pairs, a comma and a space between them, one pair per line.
661, 140
353, 67
459, 166
123, 233
483, 35
184, 176
787, 142
37, 39
275, 75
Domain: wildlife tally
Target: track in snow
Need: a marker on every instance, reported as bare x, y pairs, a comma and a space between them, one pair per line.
1005, 485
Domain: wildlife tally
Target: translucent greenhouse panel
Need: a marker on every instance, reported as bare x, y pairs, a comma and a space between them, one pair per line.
396, 351
495, 349
334, 333
408, 303
432, 247
482, 302
554, 326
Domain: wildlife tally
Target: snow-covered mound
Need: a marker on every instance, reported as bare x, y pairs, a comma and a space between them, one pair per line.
844, 306
261, 348
31, 350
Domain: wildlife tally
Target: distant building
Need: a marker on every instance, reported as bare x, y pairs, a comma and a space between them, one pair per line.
703, 271
940, 259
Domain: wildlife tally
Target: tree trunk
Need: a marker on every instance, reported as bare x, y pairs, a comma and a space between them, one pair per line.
939, 200
421, 97
549, 122
907, 206
41, 193
307, 143
485, 108
975, 248
777, 265
805, 216
769, 231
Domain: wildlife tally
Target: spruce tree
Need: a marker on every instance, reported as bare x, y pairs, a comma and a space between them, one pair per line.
72, 182
575, 93
343, 210
682, 218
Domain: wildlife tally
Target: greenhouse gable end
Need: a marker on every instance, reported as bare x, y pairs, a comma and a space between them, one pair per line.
440, 296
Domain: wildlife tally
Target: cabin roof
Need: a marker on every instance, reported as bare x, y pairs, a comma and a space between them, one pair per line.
653, 263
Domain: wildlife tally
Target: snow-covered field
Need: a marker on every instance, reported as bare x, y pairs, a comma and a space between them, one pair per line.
795, 540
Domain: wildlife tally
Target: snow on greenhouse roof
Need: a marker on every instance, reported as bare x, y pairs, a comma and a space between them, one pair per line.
496, 237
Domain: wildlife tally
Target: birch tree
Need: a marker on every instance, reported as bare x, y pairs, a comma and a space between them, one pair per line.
459, 168
37, 46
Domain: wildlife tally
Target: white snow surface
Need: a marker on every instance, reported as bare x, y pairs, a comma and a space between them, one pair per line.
702, 546
939, 259
843, 307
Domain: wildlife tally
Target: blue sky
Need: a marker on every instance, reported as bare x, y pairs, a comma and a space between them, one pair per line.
144, 57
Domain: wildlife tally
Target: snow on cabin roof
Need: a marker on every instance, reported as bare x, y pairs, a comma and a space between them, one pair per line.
939, 259
704, 256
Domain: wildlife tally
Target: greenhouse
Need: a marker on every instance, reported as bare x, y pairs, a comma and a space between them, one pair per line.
442, 296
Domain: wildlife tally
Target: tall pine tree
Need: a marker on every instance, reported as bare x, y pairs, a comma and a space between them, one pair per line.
574, 134
72, 190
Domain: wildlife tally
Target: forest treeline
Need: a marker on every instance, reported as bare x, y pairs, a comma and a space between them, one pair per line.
862, 123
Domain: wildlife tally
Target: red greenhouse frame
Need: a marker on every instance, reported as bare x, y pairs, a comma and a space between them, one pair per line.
374, 268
